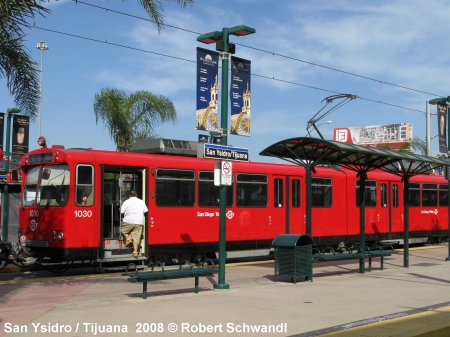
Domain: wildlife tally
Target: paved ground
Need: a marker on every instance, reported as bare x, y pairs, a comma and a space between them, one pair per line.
395, 301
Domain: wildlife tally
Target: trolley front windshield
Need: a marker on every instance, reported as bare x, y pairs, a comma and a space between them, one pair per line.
46, 186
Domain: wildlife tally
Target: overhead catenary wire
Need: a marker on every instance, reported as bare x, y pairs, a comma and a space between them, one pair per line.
340, 71
273, 78
268, 52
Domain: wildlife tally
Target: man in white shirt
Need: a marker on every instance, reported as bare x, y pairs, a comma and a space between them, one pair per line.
133, 210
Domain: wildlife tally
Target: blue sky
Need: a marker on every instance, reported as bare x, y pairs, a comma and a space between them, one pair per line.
399, 42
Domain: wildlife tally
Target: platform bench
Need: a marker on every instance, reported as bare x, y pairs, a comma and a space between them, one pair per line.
381, 252
371, 252
135, 276
336, 256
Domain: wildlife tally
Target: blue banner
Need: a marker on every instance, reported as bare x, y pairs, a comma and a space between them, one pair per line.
207, 89
240, 95
442, 127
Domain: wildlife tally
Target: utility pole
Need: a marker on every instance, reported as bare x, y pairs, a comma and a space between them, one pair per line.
5, 196
428, 129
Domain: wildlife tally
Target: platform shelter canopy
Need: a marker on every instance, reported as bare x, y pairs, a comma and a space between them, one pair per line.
310, 152
306, 151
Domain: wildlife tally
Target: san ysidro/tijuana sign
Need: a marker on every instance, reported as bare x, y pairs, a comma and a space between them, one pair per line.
225, 152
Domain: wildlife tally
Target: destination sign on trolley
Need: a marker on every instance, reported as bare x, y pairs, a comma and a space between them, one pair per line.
225, 152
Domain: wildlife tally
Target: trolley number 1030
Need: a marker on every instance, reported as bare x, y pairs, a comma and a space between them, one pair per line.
83, 214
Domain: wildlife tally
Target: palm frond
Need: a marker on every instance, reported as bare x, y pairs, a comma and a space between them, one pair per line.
130, 118
16, 65
155, 10
21, 73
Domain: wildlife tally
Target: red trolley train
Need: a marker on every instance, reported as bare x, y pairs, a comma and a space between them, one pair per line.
70, 205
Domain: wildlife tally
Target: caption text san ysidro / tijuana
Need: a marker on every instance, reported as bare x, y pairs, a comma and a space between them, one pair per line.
96, 329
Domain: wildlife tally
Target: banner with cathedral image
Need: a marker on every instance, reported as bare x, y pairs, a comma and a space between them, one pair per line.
240, 96
207, 117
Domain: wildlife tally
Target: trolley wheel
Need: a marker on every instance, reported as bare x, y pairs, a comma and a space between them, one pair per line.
3, 264
99, 268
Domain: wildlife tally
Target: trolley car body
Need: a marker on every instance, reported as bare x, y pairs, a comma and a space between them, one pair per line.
70, 204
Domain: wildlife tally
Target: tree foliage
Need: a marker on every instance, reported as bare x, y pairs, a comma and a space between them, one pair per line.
17, 66
131, 118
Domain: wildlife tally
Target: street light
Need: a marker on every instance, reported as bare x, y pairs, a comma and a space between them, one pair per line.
223, 44
41, 46
446, 101
5, 199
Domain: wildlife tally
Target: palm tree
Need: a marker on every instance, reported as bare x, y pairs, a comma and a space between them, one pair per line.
419, 146
131, 118
17, 66
154, 9
416, 145
15, 63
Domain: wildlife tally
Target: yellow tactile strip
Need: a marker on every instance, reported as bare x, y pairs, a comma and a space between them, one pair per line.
432, 322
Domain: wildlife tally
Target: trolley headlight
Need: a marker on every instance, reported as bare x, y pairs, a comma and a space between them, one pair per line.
58, 235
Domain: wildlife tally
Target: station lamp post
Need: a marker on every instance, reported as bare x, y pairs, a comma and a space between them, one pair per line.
41, 46
446, 101
7, 158
221, 38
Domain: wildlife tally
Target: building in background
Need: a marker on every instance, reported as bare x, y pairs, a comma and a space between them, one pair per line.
393, 136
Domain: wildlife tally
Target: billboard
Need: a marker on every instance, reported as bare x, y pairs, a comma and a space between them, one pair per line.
393, 135
20, 137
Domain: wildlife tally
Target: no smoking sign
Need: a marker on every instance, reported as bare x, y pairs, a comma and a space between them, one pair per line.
226, 173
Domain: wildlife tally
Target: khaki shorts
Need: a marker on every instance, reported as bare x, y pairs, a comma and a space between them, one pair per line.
133, 230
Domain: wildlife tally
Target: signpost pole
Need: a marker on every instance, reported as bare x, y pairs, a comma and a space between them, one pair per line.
221, 284
222, 39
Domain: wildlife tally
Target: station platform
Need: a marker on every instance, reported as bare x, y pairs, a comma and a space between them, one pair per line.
396, 301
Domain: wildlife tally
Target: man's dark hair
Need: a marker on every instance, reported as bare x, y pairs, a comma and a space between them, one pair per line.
133, 193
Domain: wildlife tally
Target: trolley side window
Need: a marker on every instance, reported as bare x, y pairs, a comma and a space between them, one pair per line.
370, 193
395, 196
414, 194
278, 193
30, 187
295, 193
208, 193
383, 192
321, 192
54, 186
251, 190
175, 187
85, 185
443, 195
429, 195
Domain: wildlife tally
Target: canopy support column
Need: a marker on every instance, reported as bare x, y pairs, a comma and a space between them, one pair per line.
362, 220
406, 221
308, 182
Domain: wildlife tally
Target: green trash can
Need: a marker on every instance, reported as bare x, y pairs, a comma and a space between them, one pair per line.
293, 256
